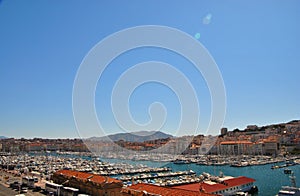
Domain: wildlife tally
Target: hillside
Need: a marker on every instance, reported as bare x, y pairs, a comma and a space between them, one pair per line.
140, 136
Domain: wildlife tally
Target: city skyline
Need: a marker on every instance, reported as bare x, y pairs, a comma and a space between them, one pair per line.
42, 44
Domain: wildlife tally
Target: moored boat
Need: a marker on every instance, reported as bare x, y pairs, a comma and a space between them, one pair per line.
292, 190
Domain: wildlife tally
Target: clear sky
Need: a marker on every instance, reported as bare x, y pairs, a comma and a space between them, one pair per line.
256, 45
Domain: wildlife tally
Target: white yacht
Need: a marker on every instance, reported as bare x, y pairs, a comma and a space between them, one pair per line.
290, 190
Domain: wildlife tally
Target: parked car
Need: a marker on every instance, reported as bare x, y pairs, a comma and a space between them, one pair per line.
24, 190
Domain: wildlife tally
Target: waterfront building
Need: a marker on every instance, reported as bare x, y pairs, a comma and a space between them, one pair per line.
36, 147
221, 186
235, 147
88, 183
270, 147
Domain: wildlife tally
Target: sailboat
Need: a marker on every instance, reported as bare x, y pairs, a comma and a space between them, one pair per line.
290, 190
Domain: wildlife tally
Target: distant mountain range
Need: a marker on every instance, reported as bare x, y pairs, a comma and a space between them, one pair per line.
139, 136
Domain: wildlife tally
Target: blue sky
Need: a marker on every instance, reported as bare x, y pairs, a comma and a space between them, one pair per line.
255, 44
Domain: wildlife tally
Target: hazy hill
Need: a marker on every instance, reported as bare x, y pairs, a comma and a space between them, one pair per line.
140, 136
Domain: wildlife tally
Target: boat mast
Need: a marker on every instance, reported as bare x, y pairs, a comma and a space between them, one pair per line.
293, 180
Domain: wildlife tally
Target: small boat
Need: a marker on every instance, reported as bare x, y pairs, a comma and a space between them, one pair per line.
180, 161
287, 190
290, 190
241, 194
287, 171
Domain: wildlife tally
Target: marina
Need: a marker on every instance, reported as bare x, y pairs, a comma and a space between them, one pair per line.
162, 179
268, 181
287, 164
153, 172
291, 190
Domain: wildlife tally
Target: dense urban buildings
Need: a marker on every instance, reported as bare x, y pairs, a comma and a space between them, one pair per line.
67, 167
267, 140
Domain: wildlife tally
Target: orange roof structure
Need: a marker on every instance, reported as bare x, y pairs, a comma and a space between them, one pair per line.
36, 144
87, 176
235, 142
270, 140
238, 181
163, 191
206, 187
210, 188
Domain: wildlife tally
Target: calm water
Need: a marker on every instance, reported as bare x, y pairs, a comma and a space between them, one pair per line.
268, 181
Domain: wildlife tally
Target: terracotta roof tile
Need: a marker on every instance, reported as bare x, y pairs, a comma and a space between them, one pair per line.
87, 176
239, 181
210, 188
235, 142
164, 191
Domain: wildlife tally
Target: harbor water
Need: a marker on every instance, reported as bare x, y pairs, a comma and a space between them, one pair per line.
269, 181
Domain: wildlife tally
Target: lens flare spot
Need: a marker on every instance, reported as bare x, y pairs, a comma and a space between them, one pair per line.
207, 19
197, 35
